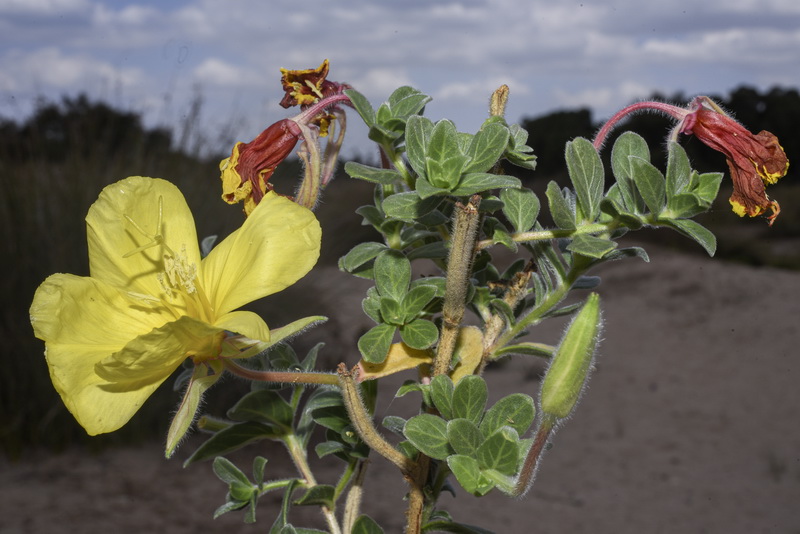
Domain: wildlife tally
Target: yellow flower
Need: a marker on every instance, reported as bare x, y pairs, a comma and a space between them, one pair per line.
150, 302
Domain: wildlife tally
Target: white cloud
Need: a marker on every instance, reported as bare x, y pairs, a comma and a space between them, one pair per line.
604, 98
51, 68
378, 83
213, 71
42, 7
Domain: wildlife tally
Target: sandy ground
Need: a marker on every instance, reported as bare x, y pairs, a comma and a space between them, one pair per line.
690, 425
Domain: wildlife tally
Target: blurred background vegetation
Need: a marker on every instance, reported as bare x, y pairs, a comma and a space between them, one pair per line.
54, 164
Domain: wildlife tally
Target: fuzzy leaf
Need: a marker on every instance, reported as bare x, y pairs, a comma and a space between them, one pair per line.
521, 207
628, 144
464, 437
362, 106
372, 174
500, 451
418, 134
486, 147
587, 175
563, 215
428, 433
588, 245
516, 410
469, 398
478, 182
419, 334
650, 184
392, 274
374, 345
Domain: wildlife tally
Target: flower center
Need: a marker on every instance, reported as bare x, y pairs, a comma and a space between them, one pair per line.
178, 275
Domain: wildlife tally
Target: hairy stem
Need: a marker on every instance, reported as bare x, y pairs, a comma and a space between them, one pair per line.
459, 267
281, 377
362, 421
528, 472
298, 454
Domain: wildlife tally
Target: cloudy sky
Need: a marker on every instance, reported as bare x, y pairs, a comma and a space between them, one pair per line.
155, 56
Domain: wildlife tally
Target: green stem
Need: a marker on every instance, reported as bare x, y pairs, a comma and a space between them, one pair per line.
528, 471
544, 235
298, 454
352, 505
533, 316
281, 377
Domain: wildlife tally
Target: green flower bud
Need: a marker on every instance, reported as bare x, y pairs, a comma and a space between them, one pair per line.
568, 373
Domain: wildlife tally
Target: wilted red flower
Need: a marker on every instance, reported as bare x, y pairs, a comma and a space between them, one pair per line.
754, 160
246, 173
307, 86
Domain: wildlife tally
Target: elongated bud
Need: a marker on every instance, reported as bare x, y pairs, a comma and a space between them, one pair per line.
569, 372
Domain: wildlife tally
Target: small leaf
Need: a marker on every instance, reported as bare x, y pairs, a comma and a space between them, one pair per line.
321, 494
416, 299
418, 134
259, 464
366, 525
696, 231
329, 447
521, 207
263, 406
563, 215
227, 472
478, 182
591, 246
516, 410
406, 101
707, 186
428, 433
468, 473
679, 170
394, 424
362, 106
392, 274
650, 184
390, 311
464, 437
372, 174
486, 147
628, 144
408, 206
469, 398
233, 438
587, 175
374, 345
443, 143
419, 334
442, 395
500, 451
445, 173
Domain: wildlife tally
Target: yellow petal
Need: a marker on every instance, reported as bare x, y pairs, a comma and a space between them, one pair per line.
82, 321
245, 323
112, 233
152, 357
80, 311
276, 246
104, 396
400, 358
